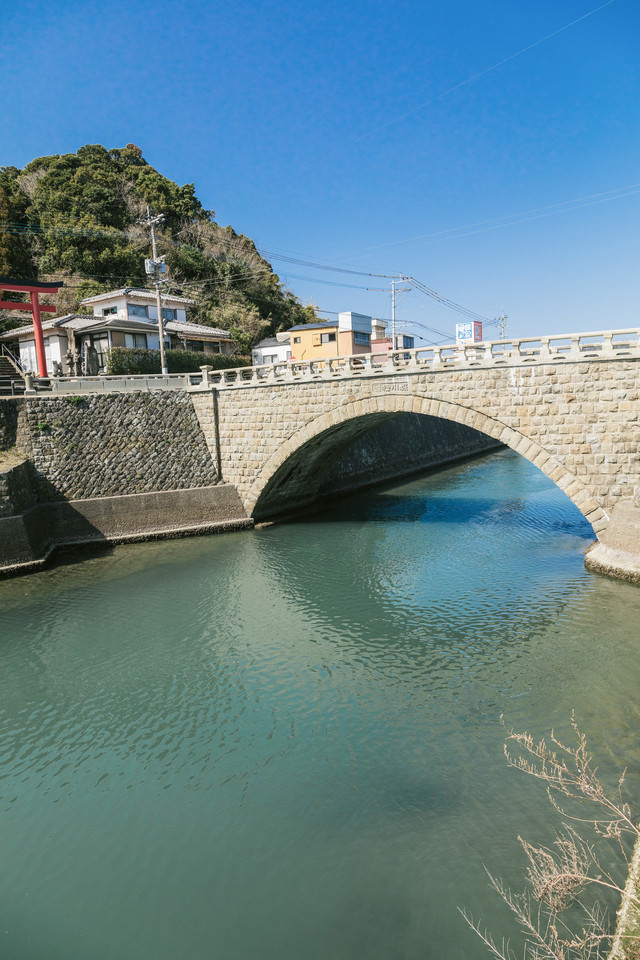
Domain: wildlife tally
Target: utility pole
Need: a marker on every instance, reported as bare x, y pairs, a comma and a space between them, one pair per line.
502, 323
393, 307
154, 268
393, 314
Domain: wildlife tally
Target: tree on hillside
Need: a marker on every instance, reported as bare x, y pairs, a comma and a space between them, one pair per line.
81, 214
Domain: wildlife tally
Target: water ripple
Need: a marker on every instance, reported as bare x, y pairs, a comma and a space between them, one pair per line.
235, 745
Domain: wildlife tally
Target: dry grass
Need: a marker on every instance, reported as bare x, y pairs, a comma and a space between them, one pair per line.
562, 912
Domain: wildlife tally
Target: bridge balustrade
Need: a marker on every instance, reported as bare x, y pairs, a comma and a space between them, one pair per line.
517, 351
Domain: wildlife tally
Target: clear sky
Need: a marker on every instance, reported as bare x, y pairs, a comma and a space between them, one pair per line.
488, 149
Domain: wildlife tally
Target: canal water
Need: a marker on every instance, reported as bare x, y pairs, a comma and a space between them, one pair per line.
286, 743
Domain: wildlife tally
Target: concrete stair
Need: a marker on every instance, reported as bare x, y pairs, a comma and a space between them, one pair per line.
11, 383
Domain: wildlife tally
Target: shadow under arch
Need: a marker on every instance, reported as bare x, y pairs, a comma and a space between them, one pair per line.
293, 475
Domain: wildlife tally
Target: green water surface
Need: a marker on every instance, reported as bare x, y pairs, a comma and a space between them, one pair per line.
285, 743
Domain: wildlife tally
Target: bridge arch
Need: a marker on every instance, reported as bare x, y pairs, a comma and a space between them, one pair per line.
297, 461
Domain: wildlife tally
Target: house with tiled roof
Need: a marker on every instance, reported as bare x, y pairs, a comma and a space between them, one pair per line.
120, 318
272, 349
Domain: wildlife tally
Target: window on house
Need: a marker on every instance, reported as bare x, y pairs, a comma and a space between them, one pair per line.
136, 310
101, 346
327, 338
108, 311
364, 338
169, 314
296, 339
197, 346
135, 341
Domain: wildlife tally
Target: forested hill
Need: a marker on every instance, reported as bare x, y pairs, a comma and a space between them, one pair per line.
75, 218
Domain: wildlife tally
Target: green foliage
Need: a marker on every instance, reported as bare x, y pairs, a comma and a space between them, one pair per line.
183, 361
123, 362
83, 210
16, 255
242, 320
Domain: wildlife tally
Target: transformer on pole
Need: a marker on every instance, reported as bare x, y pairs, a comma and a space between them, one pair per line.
154, 268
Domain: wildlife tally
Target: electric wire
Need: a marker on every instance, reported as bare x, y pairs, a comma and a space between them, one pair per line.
483, 73
322, 266
537, 213
251, 272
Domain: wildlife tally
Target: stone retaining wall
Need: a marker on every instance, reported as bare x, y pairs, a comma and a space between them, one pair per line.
405, 445
104, 468
8, 423
104, 445
16, 487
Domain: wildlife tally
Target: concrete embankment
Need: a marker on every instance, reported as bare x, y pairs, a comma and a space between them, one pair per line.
28, 539
105, 469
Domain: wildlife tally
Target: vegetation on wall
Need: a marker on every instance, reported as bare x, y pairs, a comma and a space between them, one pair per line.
122, 361
75, 217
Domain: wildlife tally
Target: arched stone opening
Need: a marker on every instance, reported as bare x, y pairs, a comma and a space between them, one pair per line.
292, 478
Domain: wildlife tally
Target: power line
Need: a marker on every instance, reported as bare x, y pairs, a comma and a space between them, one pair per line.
531, 46
496, 223
445, 301
418, 285
483, 73
334, 283
323, 266
439, 333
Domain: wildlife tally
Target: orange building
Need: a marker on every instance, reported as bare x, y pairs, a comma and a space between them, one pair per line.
350, 335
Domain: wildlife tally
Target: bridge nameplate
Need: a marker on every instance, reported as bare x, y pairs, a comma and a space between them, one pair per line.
397, 385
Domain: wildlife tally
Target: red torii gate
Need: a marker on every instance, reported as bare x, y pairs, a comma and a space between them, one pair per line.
34, 288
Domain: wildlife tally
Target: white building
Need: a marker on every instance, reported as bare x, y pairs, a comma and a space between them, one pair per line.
272, 349
121, 318
136, 304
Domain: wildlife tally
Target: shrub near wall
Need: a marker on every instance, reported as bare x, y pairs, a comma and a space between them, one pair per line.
122, 361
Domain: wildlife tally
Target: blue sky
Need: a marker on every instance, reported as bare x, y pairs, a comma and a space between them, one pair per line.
488, 149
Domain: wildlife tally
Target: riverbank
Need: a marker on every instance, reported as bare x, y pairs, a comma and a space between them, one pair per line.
28, 541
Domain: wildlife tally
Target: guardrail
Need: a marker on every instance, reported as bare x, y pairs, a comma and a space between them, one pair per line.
520, 351
122, 384
10, 387
13, 360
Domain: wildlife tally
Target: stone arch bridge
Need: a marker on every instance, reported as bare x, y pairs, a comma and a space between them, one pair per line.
568, 404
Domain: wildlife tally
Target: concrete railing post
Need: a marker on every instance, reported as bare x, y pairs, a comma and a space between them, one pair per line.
607, 346
206, 370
